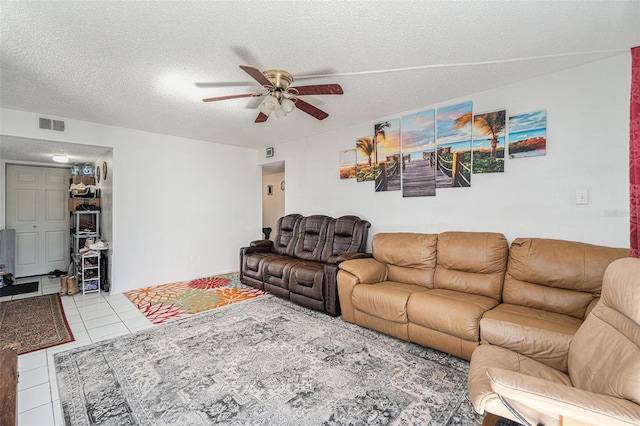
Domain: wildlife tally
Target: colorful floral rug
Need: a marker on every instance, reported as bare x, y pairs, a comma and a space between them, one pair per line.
166, 302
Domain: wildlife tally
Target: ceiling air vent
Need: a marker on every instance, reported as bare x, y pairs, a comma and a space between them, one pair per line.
49, 124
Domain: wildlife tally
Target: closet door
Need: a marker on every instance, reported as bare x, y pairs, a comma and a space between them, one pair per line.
37, 210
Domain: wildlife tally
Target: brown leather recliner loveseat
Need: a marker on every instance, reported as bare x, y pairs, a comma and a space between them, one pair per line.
301, 263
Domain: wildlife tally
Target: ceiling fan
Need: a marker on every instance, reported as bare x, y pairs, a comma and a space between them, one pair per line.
280, 97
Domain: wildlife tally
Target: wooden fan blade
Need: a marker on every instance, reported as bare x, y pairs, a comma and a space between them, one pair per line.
257, 75
261, 118
318, 89
311, 110
223, 98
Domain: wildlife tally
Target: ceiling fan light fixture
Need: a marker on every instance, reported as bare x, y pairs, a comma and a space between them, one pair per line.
279, 112
269, 104
287, 105
280, 98
60, 158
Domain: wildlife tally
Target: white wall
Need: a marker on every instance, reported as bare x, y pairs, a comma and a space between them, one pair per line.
587, 147
106, 202
175, 200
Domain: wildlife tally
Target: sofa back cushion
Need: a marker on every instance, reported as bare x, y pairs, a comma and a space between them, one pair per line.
604, 356
285, 239
472, 262
410, 258
346, 234
555, 275
311, 236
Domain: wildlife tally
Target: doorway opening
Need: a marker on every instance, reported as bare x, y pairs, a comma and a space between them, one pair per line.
37, 206
273, 196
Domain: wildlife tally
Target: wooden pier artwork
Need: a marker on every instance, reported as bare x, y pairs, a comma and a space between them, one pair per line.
451, 173
388, 178
419, 176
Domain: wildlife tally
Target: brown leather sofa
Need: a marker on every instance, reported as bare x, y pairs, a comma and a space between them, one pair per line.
601, 384
301, 263
440, 290
427, 289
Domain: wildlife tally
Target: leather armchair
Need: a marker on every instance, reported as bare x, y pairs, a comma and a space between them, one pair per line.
602, 385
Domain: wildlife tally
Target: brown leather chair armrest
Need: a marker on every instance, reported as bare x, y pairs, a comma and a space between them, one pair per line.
261, 243
260, 249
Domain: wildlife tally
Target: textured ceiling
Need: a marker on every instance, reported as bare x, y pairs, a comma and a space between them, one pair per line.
146, 65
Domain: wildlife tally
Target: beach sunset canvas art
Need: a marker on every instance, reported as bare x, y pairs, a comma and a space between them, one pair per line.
365, 156
528, 134
453, 146
387, 143
418, 154
488, 142
347, 160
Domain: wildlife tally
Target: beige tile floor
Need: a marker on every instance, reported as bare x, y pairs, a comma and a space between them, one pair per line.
92, 318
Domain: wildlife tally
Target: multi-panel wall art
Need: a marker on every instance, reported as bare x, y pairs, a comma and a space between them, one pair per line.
365, 156
453, 145
419, 154
442, 148
348, 164
488, 142
528, 134
387, 143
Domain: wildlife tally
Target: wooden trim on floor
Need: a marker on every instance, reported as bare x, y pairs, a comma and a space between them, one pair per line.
9, 384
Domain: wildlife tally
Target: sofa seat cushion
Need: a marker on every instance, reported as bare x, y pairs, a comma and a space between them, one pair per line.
386, 300
307, 279
486, 356
276, 270
252, 266
450, 312
543, 336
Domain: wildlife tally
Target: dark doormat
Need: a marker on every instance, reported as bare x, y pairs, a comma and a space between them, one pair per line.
12, 290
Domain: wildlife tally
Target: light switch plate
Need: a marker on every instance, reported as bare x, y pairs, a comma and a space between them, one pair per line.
582, 196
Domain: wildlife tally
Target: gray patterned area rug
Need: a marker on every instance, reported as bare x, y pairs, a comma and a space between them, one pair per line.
265, 361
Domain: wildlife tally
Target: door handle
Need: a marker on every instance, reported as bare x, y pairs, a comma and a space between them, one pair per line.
34, 226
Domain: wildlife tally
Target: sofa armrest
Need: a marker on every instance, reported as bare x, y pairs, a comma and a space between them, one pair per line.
566, 401
367, 271
355, 272
261, 243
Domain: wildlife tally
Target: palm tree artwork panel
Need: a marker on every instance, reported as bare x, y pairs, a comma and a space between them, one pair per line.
347, 158
387, 144
453, 145
489, 142
365, 154
528, 134
419, 154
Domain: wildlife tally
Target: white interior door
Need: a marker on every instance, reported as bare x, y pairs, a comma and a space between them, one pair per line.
37, 209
